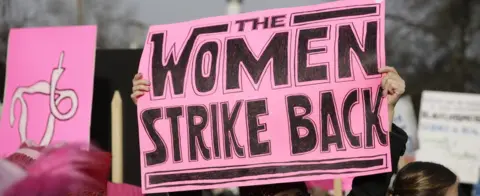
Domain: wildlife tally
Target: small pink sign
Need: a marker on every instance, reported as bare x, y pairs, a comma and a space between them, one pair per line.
49, 86
329, 184
265, 97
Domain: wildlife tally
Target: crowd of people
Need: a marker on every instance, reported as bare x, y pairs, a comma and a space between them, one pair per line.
69, 170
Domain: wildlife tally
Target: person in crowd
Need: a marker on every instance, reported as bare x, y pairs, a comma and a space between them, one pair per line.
55, 171
61, 170
424, 179
377, 185
393, 87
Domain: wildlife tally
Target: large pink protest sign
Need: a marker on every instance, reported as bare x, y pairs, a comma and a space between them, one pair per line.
265, 97
49, 86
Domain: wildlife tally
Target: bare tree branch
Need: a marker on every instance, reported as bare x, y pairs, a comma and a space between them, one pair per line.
412, 24
417, 26
113, 17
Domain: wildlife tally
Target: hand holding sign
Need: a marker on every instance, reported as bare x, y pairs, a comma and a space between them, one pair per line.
140, 86
393, 85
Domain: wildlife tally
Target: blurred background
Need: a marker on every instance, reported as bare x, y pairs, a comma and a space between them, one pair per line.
434, 44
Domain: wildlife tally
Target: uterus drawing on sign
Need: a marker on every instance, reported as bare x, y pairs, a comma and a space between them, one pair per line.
55, 98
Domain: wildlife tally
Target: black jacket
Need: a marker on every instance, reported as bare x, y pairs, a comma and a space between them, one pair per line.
373, 185
377, 185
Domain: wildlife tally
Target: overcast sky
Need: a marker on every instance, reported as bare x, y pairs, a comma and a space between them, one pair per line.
170, 11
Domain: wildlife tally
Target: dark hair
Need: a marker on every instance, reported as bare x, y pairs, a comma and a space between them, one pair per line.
272, 189
423, 179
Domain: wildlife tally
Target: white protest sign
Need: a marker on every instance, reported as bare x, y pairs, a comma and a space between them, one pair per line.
405, 118
449, 132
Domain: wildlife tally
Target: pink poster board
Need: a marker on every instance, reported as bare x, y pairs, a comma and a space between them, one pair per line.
329, 184
264, 97
49, 86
